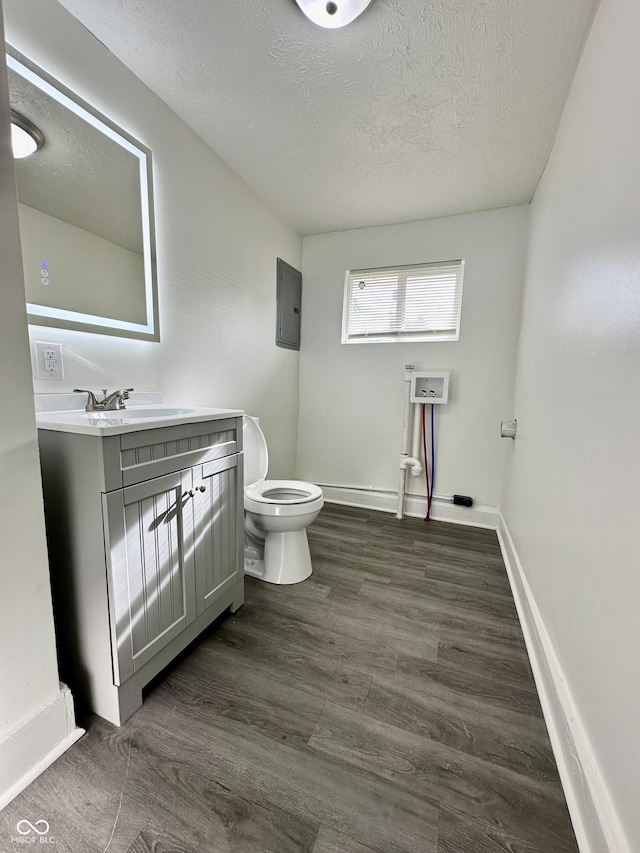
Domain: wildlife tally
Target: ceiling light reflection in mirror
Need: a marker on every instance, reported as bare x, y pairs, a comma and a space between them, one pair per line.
26, 138
86, 214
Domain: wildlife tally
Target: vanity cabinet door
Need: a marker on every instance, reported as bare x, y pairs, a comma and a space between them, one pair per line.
150, 560
218, 528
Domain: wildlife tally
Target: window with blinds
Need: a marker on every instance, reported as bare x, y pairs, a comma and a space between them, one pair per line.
410, 303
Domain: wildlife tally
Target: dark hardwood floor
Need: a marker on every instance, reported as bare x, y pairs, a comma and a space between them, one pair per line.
386, 704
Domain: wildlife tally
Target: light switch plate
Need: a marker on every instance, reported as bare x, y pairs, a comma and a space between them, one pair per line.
48, 361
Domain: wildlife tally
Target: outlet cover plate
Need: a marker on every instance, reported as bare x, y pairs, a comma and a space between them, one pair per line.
48, 360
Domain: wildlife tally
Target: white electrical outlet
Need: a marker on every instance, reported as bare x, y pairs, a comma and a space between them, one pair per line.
48, 361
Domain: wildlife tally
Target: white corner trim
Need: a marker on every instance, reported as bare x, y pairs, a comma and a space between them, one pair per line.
28, 749
593, 814
479, 515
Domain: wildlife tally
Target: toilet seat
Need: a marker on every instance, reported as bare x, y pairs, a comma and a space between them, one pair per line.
286, 492
266, 498
272, 497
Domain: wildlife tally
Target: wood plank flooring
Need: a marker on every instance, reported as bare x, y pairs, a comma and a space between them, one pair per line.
386, 704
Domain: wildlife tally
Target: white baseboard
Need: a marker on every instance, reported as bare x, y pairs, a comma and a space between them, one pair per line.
28, 749
595, 821
478, 515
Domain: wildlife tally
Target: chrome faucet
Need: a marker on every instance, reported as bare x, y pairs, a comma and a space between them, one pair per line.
109, 403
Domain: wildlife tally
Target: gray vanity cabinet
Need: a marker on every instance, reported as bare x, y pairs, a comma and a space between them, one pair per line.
145, 535
172, 554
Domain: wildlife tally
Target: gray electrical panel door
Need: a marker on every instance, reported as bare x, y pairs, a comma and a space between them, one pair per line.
289, 299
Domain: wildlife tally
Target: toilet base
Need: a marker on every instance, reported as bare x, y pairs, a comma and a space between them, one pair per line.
286, 558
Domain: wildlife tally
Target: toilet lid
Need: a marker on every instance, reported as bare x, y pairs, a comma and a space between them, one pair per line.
256, 455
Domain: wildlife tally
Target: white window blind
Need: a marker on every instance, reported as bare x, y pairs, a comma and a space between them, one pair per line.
408, 303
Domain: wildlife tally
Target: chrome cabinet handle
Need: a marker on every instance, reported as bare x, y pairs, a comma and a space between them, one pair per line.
191, 492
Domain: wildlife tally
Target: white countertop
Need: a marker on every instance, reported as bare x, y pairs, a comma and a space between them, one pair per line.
131, 419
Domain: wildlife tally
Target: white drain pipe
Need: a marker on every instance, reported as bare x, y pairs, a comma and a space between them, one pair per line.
406, 461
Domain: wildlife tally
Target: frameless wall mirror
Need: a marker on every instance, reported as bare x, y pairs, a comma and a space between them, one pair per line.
86, 213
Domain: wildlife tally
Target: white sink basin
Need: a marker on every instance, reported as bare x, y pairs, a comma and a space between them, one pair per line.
146, 413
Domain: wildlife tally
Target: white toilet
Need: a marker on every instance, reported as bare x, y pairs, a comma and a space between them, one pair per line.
276, 515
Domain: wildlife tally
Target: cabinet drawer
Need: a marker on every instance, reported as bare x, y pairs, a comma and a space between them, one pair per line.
146, 454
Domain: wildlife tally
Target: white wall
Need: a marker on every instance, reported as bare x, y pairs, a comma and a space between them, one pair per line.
36, 719
351, 395
217, 245
571, 493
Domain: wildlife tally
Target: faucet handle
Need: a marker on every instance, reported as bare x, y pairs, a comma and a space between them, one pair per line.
92, 399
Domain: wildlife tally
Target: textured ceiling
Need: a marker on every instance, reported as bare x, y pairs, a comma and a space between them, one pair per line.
420, 108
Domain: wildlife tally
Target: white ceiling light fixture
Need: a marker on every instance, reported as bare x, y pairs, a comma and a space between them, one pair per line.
26, 138
332, 14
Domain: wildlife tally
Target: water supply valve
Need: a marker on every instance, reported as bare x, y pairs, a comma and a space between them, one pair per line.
429, 387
